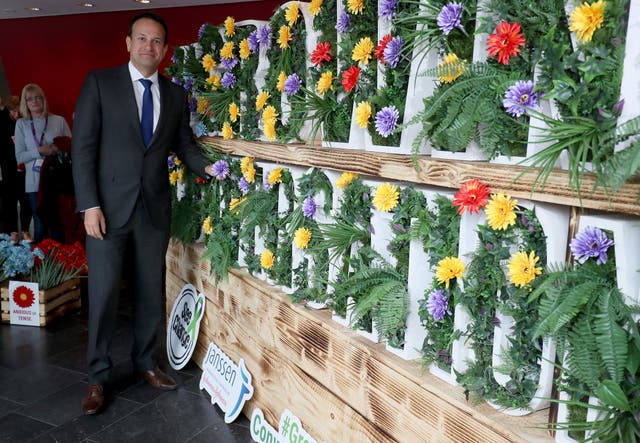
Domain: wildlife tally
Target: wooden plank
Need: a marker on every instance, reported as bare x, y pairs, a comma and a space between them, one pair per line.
303, 361
439, 172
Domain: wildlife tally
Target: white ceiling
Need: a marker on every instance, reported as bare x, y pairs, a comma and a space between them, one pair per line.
20, 8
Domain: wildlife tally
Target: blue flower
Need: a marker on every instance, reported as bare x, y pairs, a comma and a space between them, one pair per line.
193, 104
292, 84
449, 17
243, 185
309, 207
264, 36
591, 243
519, 97
228, 63
253, 41
343, 23
437, 304
221, 169
201, 129
228, 80
188, 84
386, 8
386, 120
171, 163
201, 30
392, 51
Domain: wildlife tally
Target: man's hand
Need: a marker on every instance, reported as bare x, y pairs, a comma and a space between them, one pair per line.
209, 170
95, 223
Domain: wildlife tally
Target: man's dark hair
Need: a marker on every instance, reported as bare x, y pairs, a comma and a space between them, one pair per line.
155, 18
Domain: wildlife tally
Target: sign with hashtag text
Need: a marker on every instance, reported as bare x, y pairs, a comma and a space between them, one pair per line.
290, 429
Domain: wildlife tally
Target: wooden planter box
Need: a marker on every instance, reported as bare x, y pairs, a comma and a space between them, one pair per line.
54, 302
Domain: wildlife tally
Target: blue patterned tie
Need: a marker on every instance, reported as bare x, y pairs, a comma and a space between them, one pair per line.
146, 122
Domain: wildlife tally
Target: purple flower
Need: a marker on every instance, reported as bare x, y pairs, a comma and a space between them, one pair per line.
386, 120
174, 58
519, 97
292, 84
398, 227
228, 63
193, 104
449, 17
176, 80
392, 51
171, 163
309, 207
221, 169
228, 80
203, 27
265, 182
188, 84
437, 304
343, 22
591, 242
386, 8
253, 41
264, 36
243, 185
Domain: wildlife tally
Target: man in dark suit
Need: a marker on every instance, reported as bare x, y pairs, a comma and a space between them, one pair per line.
124, 127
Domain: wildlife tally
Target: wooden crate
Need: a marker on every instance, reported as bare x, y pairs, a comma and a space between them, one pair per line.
54, 302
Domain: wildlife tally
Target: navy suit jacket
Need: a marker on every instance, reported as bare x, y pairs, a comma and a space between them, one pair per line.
111, 166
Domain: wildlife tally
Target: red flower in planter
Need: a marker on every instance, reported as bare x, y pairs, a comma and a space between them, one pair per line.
350, 78
23, 296
322, 53
506, 41
381, 47
472, 196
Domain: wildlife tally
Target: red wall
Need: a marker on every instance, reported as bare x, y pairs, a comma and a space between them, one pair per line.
57, 52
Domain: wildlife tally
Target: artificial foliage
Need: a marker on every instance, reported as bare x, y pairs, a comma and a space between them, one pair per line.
487, 291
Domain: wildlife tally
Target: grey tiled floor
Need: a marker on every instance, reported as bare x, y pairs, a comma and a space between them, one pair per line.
43, 377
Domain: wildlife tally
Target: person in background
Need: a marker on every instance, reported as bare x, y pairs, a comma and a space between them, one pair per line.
34, 136
127, 119
12, 175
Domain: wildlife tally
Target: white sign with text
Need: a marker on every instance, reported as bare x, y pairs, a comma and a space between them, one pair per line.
24, 303
184, 325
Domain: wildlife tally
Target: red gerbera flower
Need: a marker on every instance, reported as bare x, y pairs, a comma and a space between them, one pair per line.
201, 181
350, 78
472, 196
381, 47
23, 296
505, 42
322, 53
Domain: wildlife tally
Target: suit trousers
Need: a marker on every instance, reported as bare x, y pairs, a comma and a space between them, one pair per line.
145, 248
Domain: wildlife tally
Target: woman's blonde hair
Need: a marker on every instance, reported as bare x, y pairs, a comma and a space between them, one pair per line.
24, 110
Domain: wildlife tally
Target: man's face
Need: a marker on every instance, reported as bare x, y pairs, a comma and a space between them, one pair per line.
146, 45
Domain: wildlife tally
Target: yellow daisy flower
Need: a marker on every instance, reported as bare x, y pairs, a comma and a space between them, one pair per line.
227, 50
173, 178
181, 175
269, 130
325, 82
177, 161
386, 197
208, 63
284, 37
269, 115
363, 50
227, 131
292, 13
202, 105
522, 268
501, 211
261, 100
314, 7
282, 78
275, 176
355, 6
345, 179
245, 163
250, 174
301, 238
450, 69
206, 226
586, 18
448, 269
230, 26
234, 203
245, 52
363, 114
214, 81
267, 259
234, 112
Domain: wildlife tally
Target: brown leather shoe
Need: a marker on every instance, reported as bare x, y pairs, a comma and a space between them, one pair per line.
93, 399
158, 379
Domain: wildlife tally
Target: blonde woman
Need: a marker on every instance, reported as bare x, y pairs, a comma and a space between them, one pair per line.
34, 136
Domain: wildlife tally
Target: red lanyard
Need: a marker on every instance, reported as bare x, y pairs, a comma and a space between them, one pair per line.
33, 131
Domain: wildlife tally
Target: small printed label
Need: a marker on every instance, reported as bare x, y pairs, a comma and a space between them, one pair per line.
24, 303
290, 429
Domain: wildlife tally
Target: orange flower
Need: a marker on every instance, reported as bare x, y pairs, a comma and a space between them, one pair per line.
350, 78
472, 196
506, 42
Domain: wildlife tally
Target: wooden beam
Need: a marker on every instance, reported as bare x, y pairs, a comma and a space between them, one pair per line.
512, 180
